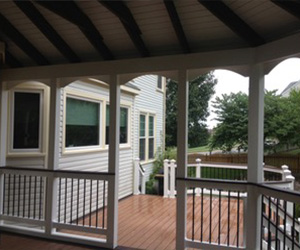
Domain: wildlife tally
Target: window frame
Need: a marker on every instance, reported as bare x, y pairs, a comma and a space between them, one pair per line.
44, 92
89, 97
128, 107
147, 114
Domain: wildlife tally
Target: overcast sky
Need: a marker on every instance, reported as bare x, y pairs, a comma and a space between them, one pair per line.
228, 81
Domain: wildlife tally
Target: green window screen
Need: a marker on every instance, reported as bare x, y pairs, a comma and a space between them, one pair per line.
26, 120
123, 125
151, 125
80, 112
82, 123
142, 125
151, 148
142, 149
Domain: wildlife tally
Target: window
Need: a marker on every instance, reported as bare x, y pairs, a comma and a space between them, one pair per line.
123, 125
142, 137
159, 82
151, 137
26, 123
82, 123
147, 137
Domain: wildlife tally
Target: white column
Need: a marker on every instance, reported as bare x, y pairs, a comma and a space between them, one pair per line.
172, 178
53, 154
3, 123
54, 125
113, 161
166, 178
136, 175
182, 142
255, 155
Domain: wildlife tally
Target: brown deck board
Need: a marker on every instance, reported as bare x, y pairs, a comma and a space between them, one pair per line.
149, 222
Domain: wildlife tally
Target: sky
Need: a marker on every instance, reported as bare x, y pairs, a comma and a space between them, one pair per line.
228, 81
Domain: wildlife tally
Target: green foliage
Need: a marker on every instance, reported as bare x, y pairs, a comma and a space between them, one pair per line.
169, 153
281, 121
232, 113
201, 89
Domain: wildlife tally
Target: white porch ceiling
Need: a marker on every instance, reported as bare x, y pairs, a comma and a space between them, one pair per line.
136, 29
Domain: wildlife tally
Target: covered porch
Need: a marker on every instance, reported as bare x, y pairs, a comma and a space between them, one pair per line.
180, 46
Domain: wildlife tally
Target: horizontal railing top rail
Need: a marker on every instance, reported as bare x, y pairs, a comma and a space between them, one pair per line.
54, 171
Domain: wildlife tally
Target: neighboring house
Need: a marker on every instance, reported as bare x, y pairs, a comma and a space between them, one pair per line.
84, 126
292, 86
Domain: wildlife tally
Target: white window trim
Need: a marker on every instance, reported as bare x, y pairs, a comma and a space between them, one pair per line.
147, 113
85, 96
44, 91
123, 104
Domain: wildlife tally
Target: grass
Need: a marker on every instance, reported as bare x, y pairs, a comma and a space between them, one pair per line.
199, 149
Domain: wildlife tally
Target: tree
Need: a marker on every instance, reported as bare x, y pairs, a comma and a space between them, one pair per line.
201, 89
232, 115
281, 121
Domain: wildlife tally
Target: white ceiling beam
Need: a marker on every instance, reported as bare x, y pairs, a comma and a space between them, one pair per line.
230, 59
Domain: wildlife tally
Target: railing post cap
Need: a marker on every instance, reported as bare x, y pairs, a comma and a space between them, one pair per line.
198, 160
283, 167
173, 161
137, 159
287, 172
166, 160
290, 178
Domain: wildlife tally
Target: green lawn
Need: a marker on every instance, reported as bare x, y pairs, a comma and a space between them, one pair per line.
199, 149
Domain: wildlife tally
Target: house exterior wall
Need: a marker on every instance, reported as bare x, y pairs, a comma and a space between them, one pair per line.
96, 159
151, 100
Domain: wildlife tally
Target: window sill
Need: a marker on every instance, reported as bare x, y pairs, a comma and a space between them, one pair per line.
160, 90
71, 151
25, 154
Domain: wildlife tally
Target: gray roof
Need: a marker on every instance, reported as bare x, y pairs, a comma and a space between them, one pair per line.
290, 86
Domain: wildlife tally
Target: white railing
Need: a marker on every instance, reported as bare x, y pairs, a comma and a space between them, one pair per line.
61, 205
221, 171
139, 183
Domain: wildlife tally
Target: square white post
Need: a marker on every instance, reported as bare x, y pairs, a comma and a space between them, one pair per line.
3, 123
255, 155
113, 161
136, 175
182, 142
53, 154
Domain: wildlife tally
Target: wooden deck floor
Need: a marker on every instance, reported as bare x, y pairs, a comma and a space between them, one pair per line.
149, 222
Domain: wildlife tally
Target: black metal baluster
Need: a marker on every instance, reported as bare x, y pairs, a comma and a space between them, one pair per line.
238, 220
261, 222
19, 195
8, 198
228, 219
269, 225
277, 224
59, 199
284, 226
71, 215
97, 197
193, 216
41, 192
103, 210
14, 187
84, 190
4, 191
66, 196
91, 183
210, 214
219, 225
77, 210
24, 194
34, 197
29, 196
201, 236
293, 228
